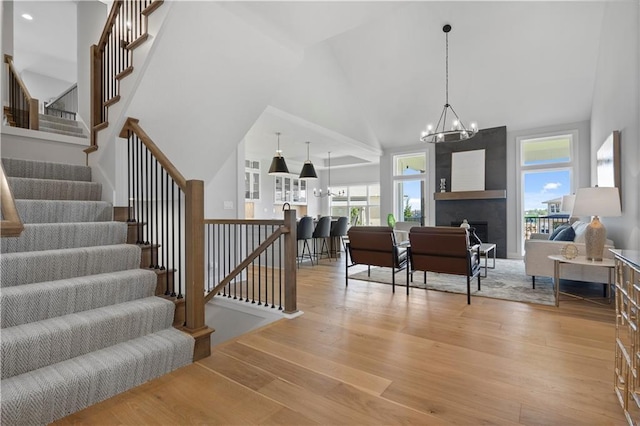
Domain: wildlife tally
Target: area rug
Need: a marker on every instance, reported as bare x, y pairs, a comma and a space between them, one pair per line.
507, 281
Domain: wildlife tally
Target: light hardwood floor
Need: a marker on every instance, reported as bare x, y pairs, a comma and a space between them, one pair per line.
362, 355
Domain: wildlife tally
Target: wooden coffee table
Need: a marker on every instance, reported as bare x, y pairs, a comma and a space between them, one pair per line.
485, 249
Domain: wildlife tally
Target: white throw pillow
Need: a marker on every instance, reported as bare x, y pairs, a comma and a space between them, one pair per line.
579, 228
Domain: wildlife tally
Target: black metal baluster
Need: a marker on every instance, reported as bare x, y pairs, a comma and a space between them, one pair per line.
138, 148
253, 264
246, 254
260, 266
129, 179
147, 160
280, 274
273, 271
173, 239
167, 292
180, 250
235, 260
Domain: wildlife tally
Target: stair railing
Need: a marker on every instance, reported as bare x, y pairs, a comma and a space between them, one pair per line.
65, 105
10, 224
253, 261
22, 110
169, 213
126, 28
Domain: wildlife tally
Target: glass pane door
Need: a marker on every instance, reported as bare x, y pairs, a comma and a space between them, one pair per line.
409, 201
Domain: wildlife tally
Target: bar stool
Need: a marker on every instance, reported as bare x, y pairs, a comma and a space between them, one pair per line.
304, 234
338, 232
322, 231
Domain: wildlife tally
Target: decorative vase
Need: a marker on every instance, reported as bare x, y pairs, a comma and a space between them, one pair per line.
391, 220
443, 185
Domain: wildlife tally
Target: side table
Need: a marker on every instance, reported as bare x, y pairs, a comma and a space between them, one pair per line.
580, 260
485, 249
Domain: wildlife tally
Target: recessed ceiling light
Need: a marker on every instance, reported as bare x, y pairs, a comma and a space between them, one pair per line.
27, 17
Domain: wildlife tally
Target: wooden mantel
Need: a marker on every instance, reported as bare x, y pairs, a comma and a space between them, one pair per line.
470, 195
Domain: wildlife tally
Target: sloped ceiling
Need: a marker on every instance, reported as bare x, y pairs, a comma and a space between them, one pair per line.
373, 73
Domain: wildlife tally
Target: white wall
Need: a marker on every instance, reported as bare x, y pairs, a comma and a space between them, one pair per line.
42, 87
616, 107
91, 17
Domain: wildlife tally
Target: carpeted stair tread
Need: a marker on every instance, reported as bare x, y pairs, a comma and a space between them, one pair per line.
52, 236
53, 189
35, 345
14, 167
55, 391
53, 265
48, 211
39, 301
62, 132
56, 119
55, 126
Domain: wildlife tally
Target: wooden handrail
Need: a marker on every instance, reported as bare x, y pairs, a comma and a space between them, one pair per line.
31, 103
10, 225
275, 222
132, 125
108, 26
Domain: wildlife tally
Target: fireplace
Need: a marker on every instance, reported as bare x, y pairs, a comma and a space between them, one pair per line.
481, 228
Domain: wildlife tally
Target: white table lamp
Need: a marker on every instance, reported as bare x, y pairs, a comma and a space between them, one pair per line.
566, 206
598, 201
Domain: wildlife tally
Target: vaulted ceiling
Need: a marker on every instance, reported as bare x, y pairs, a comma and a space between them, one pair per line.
373, 73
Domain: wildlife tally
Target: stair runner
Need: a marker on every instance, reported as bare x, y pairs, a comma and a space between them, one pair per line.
61, 126
80, 322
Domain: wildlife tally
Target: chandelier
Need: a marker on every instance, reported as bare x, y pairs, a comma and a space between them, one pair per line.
328, 193
278, 165
458, 130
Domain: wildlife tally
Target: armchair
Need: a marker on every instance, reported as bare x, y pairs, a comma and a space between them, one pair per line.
375, 246
445, 250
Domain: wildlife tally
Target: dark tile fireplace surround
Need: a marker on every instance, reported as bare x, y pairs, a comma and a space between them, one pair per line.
474, 207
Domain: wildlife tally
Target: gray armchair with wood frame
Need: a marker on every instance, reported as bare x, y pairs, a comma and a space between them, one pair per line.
375, 246
445, 250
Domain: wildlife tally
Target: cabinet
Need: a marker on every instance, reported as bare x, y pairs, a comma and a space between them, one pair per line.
251, 180
627, 350
290, 189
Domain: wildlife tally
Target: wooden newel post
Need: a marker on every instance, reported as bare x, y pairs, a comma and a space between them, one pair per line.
194, 272
290, 270
34, 114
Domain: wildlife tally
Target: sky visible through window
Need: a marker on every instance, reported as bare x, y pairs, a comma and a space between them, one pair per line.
544, 186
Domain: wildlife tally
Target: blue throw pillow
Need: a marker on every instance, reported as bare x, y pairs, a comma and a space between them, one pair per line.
556, 231
567, 234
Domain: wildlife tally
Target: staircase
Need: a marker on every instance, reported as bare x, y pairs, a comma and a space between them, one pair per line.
80, 322
61, 126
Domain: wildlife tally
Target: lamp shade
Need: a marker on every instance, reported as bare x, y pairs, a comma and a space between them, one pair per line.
278, 166
308, 171
597, 201
566, 205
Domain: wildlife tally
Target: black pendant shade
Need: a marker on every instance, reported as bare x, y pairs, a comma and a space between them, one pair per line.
308, 171
278, 166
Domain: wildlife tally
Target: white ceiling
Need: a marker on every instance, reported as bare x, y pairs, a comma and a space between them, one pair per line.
373, 73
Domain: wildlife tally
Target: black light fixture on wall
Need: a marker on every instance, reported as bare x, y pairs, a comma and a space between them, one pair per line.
278, 165
458, 131
308, 171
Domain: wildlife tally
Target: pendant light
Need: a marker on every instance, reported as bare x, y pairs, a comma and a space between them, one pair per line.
308, 171
278, 165
458, 131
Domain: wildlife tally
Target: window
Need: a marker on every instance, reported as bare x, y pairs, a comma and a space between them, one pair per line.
360, 203
409, 187
546, 174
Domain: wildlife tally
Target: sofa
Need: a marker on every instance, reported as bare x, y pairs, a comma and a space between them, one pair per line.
539, 247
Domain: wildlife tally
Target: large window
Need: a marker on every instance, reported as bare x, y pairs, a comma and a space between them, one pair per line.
546, 174
360, 203
409, 187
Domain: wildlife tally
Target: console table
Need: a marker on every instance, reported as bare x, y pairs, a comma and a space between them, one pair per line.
580, 260
627, 352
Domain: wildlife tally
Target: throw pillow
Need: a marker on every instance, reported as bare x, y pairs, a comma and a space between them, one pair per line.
579, 227
557, 231
567, 234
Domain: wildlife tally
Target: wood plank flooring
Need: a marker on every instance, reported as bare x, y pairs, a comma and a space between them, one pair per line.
362, 355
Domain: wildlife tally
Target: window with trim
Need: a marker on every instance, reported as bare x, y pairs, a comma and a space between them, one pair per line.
546, 174
409, 187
